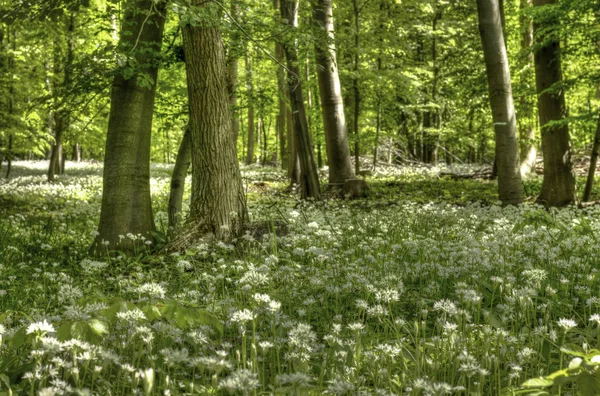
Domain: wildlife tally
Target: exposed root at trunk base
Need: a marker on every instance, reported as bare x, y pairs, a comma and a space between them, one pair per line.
190, 234
193, 234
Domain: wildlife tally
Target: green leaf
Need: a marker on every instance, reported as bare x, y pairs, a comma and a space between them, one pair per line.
98, 327
19, 338
537, 383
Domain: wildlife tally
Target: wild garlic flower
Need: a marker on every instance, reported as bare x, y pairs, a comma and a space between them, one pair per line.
566, 324
40, 327
240, 380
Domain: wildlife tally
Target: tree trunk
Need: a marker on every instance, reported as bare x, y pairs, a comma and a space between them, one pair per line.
294, 164
232, 75
218, 204
309, 179
9, 155
61, 110
280, 123
355, 88
182, 164
126, 203
250, 90
330, 91
558, 185
510, 188
587, 192
527, 146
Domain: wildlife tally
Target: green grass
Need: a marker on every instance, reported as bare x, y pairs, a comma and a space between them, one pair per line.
426, 288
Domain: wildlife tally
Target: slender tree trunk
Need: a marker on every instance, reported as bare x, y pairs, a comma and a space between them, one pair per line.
126, 203
250, 90
527, 146
280, 123
294, 166
9, 156
510, 188
330, 91
12, 43
232, 75
61, 111
558, 185
218, 204
309, 179
587, 192
182, 164
355, 88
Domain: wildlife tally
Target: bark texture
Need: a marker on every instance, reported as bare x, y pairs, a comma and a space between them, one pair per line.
510, 188
218, 204
182, 164
232, 76
330, 91
126, 204
558, 185
309, 179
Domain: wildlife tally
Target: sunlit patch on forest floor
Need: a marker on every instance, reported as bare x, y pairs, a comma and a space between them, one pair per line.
427, 287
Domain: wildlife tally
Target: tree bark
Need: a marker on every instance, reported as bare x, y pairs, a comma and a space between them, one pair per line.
558, 185
250, 90
126, 203
182, 164
232, 76
280, 123
309, 179
218, 204
510, 188
527, 147
330, 91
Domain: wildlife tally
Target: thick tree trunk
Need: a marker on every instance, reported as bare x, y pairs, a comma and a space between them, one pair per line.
510, 188
218, 204
250, 90
558, 185
527, 146
330, 90
587, 192
182, 164
309, 179
126, 204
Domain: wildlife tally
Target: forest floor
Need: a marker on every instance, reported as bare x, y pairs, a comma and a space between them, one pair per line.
426, 287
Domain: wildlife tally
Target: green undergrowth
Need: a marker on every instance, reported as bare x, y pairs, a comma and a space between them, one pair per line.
427, 287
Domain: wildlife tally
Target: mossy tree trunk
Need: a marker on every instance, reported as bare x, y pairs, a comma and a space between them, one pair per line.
330, 91
218, 204
126, 204
309, 179
558, 185
510, 188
